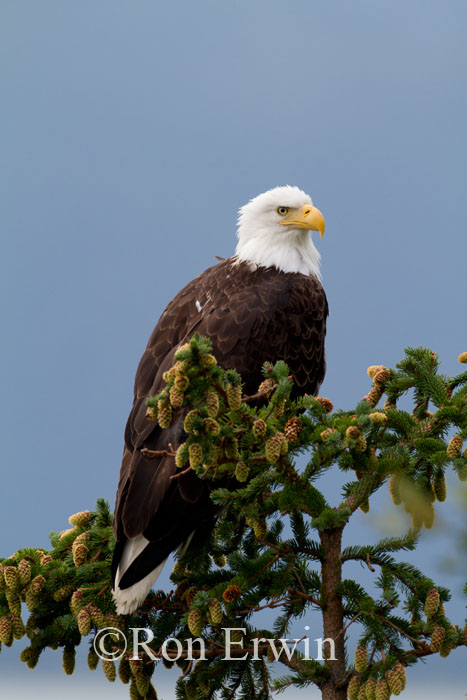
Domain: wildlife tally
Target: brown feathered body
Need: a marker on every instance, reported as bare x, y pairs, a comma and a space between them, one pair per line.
251, 314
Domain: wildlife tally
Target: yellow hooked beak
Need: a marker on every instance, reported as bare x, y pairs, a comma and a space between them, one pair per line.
308, 217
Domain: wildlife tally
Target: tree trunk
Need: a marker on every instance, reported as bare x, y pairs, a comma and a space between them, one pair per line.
333, 614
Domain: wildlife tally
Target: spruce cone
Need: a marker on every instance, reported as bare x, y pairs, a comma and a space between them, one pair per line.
445, 649
370, 688
293, 429
325, 434
234, 396
280, 407
378, 418
400, 671
63, 593
365, 505
284, 444
181, 456
212, 404
195, 452
361, 659
84, 622
352, 432
353, 688
109, 669
82, 538
181, 366
382, 691
360, 444
81, 519
215, 610
189, 595
31, 627
231, 448
10, 574
24, 572
124, 671
195, 622
208, 361
260, 529
65, 533
80, 554
236, 635
17, 626
375, 394
164, 413
437, 638
439, 487
32, 599
93, 660
136, 667
431, 603
97, 616
30, 656
76, 602
6, 630
231, 593
259, 429
219, 560
69, 655
325, 403
151, 413
134, 695
382, 376
176, 397
373, 370
190, 420
394, 682
454, 447
362, 692
37, 584
181, 382
212, 427
14, 602
241, 471
25, 654
267, 386
213, 456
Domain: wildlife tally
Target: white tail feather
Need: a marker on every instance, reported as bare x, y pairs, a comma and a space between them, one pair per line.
128, 599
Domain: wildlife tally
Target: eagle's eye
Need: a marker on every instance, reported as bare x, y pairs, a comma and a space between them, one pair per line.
282, 211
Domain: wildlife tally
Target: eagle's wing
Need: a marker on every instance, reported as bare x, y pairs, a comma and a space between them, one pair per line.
250, 317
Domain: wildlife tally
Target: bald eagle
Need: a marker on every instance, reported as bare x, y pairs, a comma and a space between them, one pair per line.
264, 303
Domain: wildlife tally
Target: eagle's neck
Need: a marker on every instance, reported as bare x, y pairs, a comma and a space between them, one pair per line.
293, 253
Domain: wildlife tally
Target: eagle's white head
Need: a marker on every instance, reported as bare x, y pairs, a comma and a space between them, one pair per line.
273, 231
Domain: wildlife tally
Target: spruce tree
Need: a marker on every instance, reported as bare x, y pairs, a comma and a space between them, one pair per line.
277, 541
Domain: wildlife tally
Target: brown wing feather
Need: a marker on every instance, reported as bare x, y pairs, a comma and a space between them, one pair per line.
250, 315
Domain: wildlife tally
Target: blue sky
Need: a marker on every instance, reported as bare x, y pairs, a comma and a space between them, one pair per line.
131, 134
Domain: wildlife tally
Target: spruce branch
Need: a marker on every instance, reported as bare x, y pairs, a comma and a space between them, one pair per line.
259, 555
